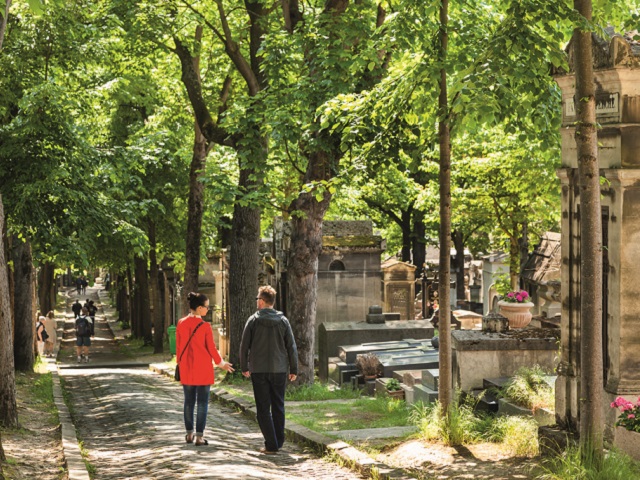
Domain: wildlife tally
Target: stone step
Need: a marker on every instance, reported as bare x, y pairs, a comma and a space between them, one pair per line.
495, 382
408, 377
487, 401
430, 378
424, 394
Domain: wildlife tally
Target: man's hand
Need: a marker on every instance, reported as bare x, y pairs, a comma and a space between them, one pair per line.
247, 373
292, 377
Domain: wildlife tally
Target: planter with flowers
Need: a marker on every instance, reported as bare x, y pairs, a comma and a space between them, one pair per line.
516, 307
627, 434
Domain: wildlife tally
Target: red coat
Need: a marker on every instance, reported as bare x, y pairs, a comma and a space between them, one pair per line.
196, 367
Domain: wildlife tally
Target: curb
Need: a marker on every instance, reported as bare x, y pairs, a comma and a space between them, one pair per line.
352, 457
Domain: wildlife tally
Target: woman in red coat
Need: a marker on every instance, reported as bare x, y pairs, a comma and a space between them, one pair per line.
195, 350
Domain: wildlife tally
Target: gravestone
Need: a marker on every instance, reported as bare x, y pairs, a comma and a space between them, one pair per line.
399, 288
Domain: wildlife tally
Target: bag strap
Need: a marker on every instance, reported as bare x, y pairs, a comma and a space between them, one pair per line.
192, 334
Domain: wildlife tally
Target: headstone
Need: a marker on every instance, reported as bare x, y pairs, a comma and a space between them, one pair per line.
399, 288
495, 323
375, 314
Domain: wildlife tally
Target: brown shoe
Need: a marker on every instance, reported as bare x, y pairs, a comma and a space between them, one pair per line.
268, 452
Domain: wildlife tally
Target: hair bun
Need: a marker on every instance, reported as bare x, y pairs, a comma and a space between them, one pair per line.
191, 295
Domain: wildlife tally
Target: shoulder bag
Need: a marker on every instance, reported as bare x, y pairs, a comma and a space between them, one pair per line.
177, 374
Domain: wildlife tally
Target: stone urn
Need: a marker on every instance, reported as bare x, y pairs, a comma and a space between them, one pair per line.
519, 314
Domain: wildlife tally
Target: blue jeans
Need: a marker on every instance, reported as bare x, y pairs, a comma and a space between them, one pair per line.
268, 390
193, 393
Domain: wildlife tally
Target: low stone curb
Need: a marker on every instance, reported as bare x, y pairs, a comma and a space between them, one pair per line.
76, 467
352, 457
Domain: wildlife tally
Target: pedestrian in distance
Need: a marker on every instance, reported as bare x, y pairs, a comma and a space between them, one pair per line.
85, 283
268, 354
51, 328
76, 308
195, 350
85, 330
41, 334
92, 311
79, 285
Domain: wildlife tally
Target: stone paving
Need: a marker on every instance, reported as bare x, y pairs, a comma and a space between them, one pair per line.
129, 421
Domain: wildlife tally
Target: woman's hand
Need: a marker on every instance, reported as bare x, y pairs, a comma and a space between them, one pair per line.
227, 366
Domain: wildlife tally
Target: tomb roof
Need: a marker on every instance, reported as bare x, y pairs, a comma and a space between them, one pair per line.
543, 264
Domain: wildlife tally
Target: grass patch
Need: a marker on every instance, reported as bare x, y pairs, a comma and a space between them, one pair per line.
572, 465
528, 388
319, 391
37, 389
360, 413
519, 435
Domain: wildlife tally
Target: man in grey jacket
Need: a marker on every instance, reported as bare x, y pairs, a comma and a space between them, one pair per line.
268, 354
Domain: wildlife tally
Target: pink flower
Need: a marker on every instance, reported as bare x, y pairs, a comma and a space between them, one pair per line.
511, 294
631, 415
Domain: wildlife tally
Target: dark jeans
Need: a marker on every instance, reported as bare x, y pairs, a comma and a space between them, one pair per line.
268, 390
193, 393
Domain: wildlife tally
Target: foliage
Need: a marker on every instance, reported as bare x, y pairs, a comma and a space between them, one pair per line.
518, 296
576, 463
629, 417
393, 385
529, 388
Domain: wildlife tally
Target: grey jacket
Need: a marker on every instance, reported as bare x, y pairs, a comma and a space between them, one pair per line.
267, 344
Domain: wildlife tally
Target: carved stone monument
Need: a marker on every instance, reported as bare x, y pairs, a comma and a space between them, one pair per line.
399, 288
617, 78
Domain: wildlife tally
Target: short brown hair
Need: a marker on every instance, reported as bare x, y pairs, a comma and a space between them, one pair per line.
267, 294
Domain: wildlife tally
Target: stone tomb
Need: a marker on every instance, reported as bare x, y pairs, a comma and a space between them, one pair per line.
478, 355
334, 334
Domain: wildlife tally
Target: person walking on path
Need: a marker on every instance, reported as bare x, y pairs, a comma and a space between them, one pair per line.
268, 354
51, 328
76, 308
41, 334
84, 332
196, 349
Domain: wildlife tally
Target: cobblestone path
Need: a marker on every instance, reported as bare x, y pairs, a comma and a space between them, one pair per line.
130, 424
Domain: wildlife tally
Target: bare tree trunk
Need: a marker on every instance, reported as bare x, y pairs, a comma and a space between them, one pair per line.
143, 303
244, 265
24, 355
4, 16
46, 287
458, 244
445, 391
196, 199
154, 279
514, 263
591, 371
419, 248
407, 235
8, 407
302, 271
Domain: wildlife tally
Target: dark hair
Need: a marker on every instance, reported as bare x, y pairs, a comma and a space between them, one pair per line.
50, 314
268, 294
196, 300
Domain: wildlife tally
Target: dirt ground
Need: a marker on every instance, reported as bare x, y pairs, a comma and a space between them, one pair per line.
437, 461
34, 451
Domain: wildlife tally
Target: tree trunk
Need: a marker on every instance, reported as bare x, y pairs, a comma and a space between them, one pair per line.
445, 391
244, 264
302, 270
196, 200
46, 287
154, 279
144, 304
514, 262
458, 244
24, 316
4, 16
8, 407
129, 299
419, 248
591, 364
407, 235
524, 246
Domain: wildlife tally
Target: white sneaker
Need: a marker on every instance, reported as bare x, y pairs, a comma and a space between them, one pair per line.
79, 359
86, 359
